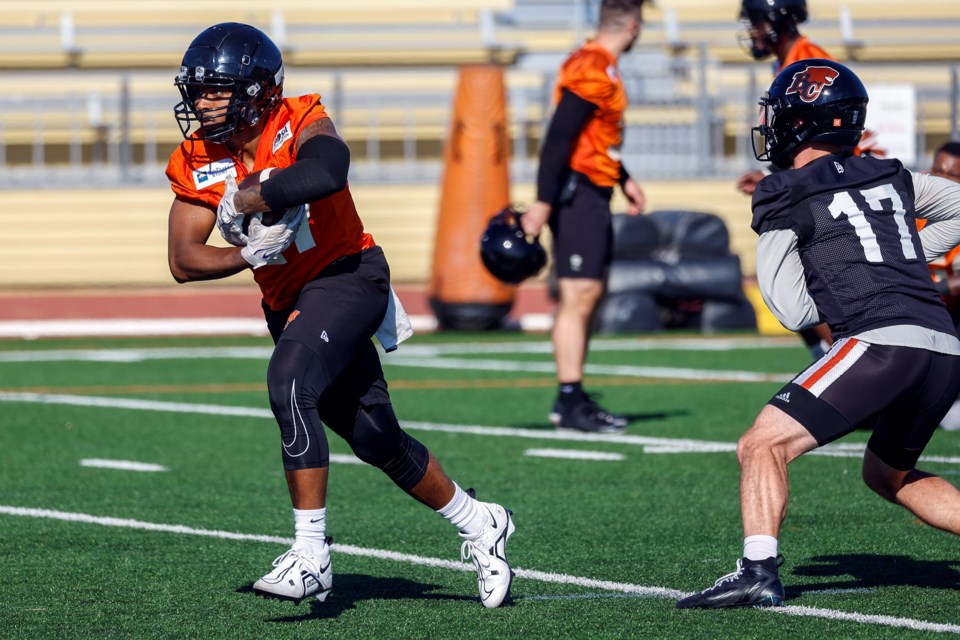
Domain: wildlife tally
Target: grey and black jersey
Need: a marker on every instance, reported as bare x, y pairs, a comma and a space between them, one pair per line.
855, 229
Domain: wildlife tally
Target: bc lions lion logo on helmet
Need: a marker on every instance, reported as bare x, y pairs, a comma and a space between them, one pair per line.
811, 81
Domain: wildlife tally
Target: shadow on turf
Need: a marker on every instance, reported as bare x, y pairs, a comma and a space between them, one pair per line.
863, 571
632, 418
351, 588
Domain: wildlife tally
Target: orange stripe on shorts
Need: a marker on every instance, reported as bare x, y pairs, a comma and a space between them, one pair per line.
829, 364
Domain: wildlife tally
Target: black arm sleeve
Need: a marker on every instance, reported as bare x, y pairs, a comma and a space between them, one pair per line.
624, 176
320, 170
569, 119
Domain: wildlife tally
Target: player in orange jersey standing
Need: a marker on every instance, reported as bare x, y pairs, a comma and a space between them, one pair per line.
579, 167
326, 293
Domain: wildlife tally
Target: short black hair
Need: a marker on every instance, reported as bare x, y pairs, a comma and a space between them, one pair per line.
614, 11
622, 5
951, 147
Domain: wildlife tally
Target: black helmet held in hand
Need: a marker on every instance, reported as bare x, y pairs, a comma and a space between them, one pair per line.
814, 100
505, 250
242, 60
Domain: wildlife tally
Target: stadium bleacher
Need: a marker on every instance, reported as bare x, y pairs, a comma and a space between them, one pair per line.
97, 34
88, 98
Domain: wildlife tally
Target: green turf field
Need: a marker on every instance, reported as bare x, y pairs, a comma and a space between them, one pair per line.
602, 548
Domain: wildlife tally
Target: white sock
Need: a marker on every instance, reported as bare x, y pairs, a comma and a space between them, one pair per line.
462, 511
759, 547
311, 527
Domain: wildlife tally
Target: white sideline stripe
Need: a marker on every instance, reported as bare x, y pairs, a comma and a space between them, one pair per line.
137, 355
418, 350
529, 574
651, 445
33, 329
568, 454
594, 369
124, 465
604, 344
397, 360
429, 358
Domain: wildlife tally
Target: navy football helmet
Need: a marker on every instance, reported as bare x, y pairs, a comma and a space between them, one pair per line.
237, 57
506, 252
774, 18
813, 100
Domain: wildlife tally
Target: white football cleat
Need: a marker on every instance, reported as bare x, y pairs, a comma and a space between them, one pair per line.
488, 549
299, 573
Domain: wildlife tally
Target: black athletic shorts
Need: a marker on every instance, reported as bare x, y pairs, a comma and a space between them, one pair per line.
336, 315
582, 228
900, 393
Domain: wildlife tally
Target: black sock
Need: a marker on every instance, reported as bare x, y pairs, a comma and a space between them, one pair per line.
569, 392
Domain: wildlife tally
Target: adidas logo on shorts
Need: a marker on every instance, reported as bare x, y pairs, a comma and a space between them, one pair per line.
783, 397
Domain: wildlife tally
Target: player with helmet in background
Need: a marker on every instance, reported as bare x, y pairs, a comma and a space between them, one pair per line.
326, 293
579, 166
839, 244
770, 29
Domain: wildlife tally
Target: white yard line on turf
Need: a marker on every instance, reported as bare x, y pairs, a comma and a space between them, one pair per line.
651, 445
123, 465
568, 454
527, 574
431, 357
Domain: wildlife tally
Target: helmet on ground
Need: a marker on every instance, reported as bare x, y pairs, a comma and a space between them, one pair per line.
505, 250
774, 19
813, 100
242, 60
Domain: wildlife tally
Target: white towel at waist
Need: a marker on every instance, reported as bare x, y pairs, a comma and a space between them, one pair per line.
396, 326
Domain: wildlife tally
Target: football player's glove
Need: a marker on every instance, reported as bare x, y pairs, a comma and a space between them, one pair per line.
229, 220
266, 243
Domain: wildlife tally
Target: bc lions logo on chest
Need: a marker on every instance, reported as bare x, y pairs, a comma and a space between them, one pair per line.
810, 82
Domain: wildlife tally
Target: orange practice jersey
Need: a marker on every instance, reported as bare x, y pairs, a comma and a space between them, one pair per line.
591, 73
942, 267
803, 49
197, 171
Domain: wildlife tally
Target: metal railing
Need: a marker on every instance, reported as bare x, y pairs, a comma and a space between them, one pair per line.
677, 127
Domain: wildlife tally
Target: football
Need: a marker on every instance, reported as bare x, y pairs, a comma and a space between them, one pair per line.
253, 180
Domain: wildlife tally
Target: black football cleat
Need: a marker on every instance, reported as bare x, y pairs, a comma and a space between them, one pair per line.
752, 585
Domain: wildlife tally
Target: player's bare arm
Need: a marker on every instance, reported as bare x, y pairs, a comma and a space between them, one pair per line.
321, 127
636, 199
320, 170
190, 257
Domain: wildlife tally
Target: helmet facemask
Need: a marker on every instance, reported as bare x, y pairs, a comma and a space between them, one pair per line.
767, 41
247, 104
774, 22
780, 130
236, 59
